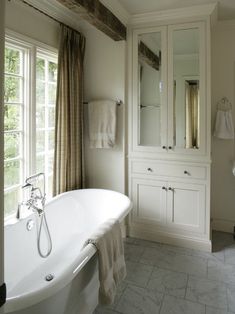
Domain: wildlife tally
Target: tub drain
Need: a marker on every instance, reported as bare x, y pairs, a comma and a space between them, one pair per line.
49, 277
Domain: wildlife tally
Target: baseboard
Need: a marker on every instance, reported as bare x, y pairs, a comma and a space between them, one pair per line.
223, 225
173, 239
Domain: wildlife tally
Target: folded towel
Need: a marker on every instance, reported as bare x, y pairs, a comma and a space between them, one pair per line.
102, 123
112, 267
224, 128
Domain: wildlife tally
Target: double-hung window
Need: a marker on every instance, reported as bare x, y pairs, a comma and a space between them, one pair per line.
29, 116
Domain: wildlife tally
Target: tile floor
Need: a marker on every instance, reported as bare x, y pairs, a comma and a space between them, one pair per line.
164, 279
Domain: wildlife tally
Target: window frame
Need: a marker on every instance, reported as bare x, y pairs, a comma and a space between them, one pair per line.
32, 48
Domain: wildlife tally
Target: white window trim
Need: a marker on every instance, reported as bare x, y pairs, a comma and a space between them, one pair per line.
33, 47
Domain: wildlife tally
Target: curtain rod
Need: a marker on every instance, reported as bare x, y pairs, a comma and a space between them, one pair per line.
47, 15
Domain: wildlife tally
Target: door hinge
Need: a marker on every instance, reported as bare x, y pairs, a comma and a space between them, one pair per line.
3, 294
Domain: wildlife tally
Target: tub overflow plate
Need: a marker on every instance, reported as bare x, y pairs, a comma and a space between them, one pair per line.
49, 277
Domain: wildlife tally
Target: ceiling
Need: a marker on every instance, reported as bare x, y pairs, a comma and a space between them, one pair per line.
226, 8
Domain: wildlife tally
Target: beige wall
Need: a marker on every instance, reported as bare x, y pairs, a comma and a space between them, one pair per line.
105, 79
26, 21
223, 84
2, 5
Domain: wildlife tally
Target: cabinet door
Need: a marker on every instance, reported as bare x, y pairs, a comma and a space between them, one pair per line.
186, 206
186, 88
149, 197
149, 89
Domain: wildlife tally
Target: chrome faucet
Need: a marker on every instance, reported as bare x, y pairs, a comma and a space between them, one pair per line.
37, 198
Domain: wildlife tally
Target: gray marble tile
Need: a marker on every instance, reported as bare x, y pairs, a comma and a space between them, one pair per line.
231, 297
230, 254
138, 274
221, 271
213, 310
137, 300
208, 292
171, 260
169, 282
173, 305
176, 249
101, 310
210, 256
133, 252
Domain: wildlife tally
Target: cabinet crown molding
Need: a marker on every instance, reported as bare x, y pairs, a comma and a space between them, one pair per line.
195, 11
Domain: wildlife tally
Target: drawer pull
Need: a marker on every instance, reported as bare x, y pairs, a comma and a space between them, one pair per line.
171, 189
150, 169
164, 188
163, 147
170, 147
186, 172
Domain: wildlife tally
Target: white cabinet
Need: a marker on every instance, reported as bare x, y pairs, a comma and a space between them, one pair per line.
169, 127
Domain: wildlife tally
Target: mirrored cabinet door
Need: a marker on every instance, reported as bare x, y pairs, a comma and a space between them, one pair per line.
150, 73
186, 86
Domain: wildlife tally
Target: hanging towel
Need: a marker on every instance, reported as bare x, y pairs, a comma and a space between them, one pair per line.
102, 123
224, 128
112, 267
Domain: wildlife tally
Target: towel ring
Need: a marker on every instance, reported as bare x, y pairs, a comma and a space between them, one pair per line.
224, 104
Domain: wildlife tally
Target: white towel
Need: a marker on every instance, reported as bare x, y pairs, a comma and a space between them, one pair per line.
102, 123
112, 267
224, 128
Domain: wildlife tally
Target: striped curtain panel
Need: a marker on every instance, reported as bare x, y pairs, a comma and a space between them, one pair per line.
68, 172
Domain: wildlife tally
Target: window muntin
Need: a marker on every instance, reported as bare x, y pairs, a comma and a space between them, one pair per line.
29, 117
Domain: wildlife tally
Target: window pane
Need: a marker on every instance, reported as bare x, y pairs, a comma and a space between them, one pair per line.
52, 68
12, 89
11, 200
50, 163
11, 173
11, 145
51, 118
40, 90
51, 94
51, 140
12, 61
40, 69
40, 163
49, 186
40, 143
40, 116
12, 117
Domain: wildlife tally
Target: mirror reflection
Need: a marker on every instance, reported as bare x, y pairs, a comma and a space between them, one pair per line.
149, 61
186, 88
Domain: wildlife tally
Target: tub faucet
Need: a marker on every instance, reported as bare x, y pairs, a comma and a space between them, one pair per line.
37, 198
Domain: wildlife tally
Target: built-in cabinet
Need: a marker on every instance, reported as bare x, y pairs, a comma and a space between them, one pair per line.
169, 132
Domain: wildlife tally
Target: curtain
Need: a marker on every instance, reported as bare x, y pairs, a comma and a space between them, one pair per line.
192, 115
68, 169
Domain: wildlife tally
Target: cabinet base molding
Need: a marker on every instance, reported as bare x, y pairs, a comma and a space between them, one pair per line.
172, 239
223, 225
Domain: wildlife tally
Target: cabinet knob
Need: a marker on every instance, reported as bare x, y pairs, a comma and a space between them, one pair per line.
150, 169
164, 188
171, 189
186, 172
170, 147
164, 147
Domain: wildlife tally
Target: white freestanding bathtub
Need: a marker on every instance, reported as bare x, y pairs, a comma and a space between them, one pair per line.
72, 217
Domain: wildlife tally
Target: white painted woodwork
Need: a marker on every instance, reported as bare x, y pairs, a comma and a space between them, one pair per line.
149, 199
2, 30
186, 206
179, 214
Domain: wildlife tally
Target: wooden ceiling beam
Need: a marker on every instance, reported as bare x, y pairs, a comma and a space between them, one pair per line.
94, 12
148, 56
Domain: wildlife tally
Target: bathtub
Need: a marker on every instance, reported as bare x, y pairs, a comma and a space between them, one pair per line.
72, 217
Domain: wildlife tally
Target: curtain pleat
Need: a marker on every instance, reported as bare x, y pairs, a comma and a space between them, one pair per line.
69, 147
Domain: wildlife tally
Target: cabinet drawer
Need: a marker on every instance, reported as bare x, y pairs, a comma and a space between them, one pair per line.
169, 170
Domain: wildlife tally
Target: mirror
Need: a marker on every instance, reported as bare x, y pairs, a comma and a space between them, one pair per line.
149, 63
186, 86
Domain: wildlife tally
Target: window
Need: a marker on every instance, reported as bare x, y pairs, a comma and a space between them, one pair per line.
29, 116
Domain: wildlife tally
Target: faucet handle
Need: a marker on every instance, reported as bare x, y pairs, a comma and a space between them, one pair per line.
27, 185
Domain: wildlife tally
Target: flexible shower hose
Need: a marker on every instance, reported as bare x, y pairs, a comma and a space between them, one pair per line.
42, 219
